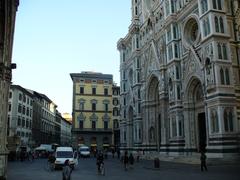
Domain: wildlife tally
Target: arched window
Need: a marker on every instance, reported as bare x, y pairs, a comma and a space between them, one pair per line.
221, 25
227, 76
214, 121
216, 24
178, 92
219, 4
214, 4
219, 51
228, 120
224, 51
222, 76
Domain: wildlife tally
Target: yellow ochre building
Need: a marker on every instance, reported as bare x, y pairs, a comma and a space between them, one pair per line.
92, 109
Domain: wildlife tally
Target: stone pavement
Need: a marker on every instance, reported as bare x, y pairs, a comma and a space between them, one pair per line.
115, 171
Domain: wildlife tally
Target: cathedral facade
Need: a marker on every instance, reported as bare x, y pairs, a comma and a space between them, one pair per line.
180, 78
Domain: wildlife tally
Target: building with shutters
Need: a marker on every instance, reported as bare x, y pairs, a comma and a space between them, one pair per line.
92, 109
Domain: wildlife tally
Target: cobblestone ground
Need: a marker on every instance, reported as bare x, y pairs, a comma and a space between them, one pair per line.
143, 170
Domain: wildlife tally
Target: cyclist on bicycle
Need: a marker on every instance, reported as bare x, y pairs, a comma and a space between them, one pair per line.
51, 160
99, 160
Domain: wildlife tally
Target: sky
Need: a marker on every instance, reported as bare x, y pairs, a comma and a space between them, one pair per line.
54, 38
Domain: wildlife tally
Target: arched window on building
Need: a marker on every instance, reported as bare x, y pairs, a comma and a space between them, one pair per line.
214, 2
214, 121
219, 51
227, 76
224, 48
228, 120
216, 24
221, 24
222, 76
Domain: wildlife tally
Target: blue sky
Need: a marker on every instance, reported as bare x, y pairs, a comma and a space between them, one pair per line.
54, 38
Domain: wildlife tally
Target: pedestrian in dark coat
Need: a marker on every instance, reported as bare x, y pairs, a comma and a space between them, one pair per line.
125, 160
131, 160
67, 171
203, 158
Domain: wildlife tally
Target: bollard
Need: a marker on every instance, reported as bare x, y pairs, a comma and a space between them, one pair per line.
156, 163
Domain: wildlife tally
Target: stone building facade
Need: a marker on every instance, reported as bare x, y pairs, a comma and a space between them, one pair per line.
92, 109
180, 78
20, 115
8, 10
116, 114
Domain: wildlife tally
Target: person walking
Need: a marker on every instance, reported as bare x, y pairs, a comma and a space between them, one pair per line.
125, 160
131, 161
203, 158
67, 171
118, 153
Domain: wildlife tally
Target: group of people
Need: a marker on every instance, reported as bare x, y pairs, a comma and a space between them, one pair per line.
128, 160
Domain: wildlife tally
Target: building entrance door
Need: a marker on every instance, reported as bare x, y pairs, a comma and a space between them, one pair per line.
202, 137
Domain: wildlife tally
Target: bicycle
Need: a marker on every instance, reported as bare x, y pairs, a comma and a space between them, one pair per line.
49, 166
101, 169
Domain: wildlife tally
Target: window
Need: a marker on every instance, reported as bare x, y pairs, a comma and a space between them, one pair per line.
19, 108
81, 90
228, 120
105, 124
81, 124
123, 57
227, 77
20, 97
216, 24
105, 91
206, 27
81, 106
93, 106
94, 90
106, 107
10, 95
19, 121
222, 51
178, 92
219, 51
176, 51
214, 121
204, 5
23, 122
93, 124
217, 4
139, 107
222, 76
219, 24
24, 98
23, 110
9, 107
27, 113
170, 53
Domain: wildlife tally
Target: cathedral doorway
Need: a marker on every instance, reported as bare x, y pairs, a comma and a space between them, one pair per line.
196, 116
202, 137
130, 130
154, 114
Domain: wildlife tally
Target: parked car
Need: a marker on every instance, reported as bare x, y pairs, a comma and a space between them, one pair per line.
64, 153
84, 151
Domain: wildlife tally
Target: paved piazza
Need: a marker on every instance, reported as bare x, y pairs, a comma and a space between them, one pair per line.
114, 170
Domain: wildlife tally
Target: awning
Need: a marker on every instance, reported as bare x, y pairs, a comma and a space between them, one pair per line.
93, 145
105, 145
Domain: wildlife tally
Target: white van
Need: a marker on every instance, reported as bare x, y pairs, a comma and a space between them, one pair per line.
64, 153
84, 151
